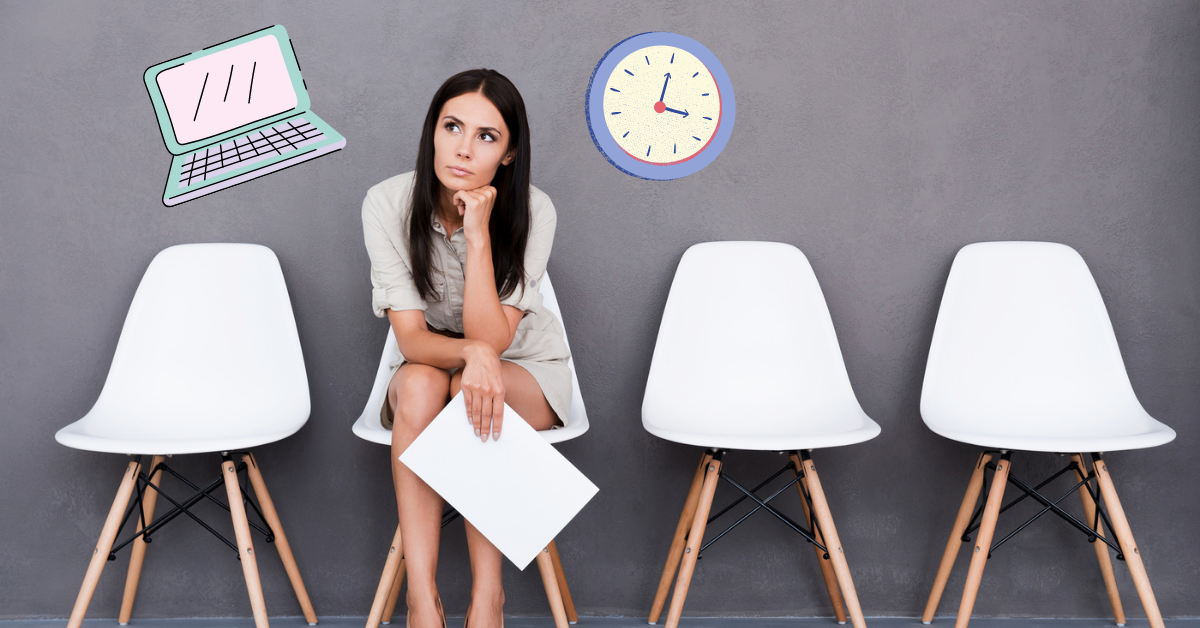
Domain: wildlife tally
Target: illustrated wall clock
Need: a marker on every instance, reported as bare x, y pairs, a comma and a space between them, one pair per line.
660, 106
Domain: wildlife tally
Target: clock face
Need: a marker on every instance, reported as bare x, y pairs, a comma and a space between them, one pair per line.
662, 105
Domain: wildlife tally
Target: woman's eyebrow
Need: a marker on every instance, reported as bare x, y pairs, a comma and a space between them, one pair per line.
482, 128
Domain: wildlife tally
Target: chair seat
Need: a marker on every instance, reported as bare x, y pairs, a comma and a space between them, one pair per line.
778, 384
96, 432
1024, 357
797, 436
208, 359
1150, 433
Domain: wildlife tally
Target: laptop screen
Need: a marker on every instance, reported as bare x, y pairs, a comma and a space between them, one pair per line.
227, 89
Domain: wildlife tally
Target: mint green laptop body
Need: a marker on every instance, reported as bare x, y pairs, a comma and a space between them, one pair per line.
249, 150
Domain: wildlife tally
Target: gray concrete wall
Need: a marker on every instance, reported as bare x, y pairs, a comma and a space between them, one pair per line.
878, 137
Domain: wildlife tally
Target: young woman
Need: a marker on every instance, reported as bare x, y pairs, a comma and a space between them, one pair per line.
457, 249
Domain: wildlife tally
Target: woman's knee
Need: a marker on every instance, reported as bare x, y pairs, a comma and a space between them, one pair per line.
418, 393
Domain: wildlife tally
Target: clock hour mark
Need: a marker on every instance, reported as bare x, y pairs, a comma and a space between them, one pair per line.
626, 133
694, 75
703, 94
614, 113
707, 118
227, 83
202, 86
629, 73
674, 147
648, 151
647, 60
672, 57
615, 89
697, 139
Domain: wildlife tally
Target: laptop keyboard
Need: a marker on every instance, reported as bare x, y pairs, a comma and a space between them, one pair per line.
242, 151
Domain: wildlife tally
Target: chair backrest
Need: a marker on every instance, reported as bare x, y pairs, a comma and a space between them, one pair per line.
209, 349
369, 428
747, 347
1023, 346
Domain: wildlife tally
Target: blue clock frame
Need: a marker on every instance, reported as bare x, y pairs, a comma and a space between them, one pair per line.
594, 108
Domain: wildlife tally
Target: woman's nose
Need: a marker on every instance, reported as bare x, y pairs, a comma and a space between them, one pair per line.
464, 148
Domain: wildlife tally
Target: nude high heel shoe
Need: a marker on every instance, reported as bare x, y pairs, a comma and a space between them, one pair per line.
468, 618
441, 610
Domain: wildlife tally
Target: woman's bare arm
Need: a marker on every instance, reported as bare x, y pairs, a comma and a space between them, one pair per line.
421, 346
484, 318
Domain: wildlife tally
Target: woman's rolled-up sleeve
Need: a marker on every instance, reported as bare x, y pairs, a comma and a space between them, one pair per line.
392, 285
537, 252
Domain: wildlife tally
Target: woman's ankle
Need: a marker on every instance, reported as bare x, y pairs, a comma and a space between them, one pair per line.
422, 598
493, 597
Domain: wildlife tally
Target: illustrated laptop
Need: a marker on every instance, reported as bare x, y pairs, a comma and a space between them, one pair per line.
233, 112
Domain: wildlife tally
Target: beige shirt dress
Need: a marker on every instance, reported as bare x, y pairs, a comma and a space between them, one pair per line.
538, 345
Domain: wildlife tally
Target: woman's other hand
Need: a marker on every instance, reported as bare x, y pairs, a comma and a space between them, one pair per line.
483, 390
475, 206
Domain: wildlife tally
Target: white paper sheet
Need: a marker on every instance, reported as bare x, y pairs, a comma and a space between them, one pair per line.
518, 491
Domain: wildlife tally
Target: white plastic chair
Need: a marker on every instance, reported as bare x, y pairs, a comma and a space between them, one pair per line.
208, 361
1023, 357
369, 428
747, 358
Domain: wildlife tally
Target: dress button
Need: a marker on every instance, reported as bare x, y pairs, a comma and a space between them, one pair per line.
532, 283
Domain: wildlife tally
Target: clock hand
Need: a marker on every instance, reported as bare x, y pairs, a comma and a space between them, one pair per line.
664, 91
684, 112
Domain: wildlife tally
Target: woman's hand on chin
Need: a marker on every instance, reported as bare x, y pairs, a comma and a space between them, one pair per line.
483, 390
475, 206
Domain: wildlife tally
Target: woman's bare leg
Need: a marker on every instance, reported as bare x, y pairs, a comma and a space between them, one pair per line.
523, 394
418, 392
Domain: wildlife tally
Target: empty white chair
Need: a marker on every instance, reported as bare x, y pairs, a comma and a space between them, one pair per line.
208, 361
1023, 357
369, 428
747, 358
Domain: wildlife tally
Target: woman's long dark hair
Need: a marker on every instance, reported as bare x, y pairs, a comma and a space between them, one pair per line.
510, 219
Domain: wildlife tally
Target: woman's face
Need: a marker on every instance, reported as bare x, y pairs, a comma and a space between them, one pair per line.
470, 142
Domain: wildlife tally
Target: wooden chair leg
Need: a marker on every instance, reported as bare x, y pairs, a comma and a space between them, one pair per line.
836, 554
1106, 568
389, 577
952, 546
138, 553
550, 581
983, 540
108, 534
1133, 558
241, 529
281, 542
695, 539
568, 603
389, 609
831, 585
676, 552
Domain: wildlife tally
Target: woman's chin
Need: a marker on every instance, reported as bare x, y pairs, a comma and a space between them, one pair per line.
454, 184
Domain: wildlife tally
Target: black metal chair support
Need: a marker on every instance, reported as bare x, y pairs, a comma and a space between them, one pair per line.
1048, 506
762, 504
184, 507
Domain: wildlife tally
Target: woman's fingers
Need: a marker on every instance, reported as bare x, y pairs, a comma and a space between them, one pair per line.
468, 199
486, 423
497, 416
493, 416
477, 413
485, 412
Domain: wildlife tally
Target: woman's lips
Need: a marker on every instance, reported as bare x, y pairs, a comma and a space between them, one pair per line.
462, 172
